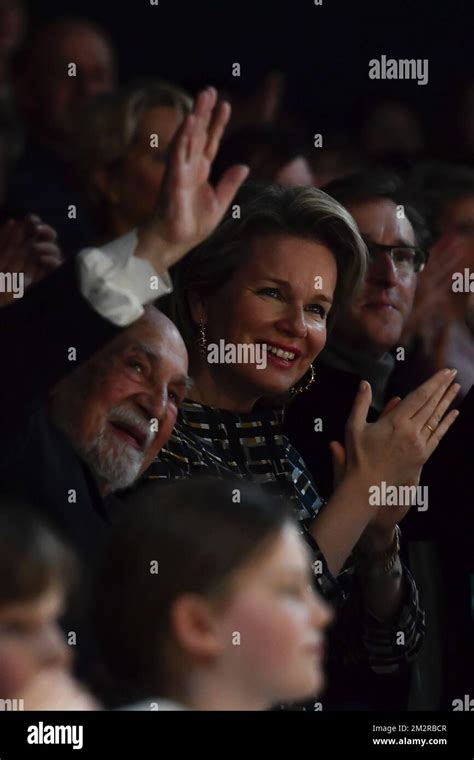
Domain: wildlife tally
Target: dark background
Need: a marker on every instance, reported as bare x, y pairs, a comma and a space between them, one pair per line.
323, 49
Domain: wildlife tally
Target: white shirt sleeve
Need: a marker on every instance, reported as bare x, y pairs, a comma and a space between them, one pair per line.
116, 283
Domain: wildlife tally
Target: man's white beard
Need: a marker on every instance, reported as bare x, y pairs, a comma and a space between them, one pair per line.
113, 462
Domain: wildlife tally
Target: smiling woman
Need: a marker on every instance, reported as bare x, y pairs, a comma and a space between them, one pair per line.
252, 282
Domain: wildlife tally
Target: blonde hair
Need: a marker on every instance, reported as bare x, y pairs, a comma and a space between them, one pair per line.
109, 125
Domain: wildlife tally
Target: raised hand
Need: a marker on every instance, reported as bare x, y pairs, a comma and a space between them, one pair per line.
338, 451
396, 447
189, 207
393, 449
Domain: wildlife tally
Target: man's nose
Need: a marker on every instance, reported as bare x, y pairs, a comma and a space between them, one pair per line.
382, 271
154, 403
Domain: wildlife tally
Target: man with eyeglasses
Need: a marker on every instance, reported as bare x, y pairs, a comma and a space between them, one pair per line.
361, 347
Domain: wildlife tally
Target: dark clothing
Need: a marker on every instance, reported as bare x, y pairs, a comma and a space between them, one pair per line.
36, 461
448, 522
44, 184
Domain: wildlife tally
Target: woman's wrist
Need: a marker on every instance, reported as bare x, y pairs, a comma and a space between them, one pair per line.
378, 560
156, 249
376, 539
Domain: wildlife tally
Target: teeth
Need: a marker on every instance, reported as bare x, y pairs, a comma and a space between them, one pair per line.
288, 355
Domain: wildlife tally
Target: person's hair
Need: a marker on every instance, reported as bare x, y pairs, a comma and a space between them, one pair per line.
32, 557
437, 184
109, 125
199, 534
303, 212
371, 184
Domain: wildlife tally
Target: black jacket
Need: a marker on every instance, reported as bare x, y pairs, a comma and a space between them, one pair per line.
36, 461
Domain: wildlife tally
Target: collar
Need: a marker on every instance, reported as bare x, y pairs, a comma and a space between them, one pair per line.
194, 409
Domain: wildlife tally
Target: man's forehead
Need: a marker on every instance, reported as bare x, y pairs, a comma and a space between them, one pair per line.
156, 346
382, 217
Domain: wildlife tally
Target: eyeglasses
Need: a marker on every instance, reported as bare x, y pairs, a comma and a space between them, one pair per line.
407, 259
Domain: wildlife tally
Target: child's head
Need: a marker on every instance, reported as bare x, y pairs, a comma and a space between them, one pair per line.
34, 571
207, 598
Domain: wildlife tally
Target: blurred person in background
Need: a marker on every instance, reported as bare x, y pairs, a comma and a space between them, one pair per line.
12, 30
229, 619
36, 573
439, 330
10, 147
390, 131
338, 157
123, 145
60, 68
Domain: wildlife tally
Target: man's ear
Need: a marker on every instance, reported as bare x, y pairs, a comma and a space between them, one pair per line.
106, 186
193, 625
197, 307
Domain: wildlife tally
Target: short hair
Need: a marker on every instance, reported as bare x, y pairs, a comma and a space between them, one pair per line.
32, 557
265, 209
200, 539
371, 184
109, 123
